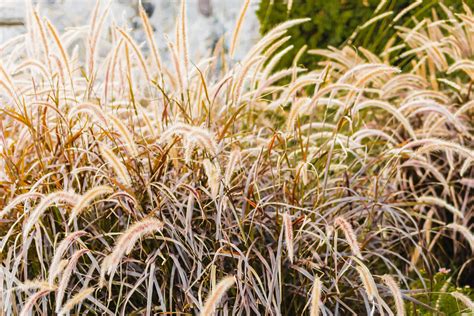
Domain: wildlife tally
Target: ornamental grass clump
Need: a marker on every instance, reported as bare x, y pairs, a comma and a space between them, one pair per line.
139, 181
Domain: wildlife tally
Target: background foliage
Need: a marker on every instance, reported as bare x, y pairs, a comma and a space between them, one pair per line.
334, 22
440, 297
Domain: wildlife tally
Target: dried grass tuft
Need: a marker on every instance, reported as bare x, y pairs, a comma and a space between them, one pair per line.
350, 235
396, 293
216, 295
316, 297
126, 242
288, 228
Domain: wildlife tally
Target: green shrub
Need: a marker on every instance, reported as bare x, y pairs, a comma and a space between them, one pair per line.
439, 297
333, 22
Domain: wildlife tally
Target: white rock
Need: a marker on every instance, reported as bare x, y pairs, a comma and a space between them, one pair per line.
203, 31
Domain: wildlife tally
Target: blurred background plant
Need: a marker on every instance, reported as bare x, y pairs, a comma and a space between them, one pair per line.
443, 295
339, 22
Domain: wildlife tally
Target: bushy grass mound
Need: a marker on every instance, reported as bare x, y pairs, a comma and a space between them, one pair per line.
136, 184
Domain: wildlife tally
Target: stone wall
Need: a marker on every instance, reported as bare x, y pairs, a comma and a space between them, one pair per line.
208, 20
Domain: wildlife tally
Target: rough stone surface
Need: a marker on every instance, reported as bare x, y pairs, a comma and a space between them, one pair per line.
208, 20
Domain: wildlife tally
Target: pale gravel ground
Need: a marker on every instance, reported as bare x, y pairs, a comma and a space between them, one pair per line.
203, 30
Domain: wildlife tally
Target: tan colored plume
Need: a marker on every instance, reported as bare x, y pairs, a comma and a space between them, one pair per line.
216, 295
